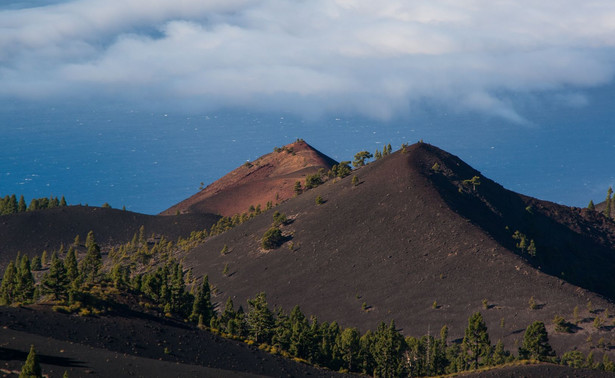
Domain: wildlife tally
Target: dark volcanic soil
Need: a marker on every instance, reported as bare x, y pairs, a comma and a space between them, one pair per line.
539, 371
136, 345
396, 243
33, 232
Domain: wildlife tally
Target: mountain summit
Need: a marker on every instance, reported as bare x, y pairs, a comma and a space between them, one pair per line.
270, 178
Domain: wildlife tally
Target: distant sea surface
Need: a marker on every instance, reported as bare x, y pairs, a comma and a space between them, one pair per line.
150, 160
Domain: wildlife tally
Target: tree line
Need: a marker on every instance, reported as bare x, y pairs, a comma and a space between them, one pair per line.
10, 205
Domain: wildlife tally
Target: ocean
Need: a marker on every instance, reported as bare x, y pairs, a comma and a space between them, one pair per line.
149, 160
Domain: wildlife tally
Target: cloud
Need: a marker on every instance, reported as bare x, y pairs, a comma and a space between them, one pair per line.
373, 58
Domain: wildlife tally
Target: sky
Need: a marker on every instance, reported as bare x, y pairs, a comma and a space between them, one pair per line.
126, 95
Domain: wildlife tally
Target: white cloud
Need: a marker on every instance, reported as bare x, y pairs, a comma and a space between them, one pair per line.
374, 58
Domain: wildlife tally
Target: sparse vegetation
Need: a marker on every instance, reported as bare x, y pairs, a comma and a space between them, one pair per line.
532, 304
473, 182
524, 244
319, 200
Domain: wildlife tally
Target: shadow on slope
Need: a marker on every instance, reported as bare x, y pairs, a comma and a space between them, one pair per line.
121, 346
33, 232
571, 243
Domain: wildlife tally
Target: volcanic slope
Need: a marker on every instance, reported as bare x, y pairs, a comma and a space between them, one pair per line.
414, 243
131, 345
270, 178
33, 232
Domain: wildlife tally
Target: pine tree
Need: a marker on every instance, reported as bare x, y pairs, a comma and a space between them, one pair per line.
25, 281
91, 263
32, 368
536, 343
44, 258
360, 157
591, 205
500, 355
260, 319
56, 280
70, 263
90, 240
476, 344
9, 283
607, 209
300, 338
387, 350
33, 205
21, 206
202, 303
11, 205
349, 346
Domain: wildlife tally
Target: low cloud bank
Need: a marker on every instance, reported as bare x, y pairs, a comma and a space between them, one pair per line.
379, 59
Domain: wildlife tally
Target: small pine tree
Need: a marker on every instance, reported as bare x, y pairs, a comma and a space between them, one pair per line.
21, 206
607, 209
355, 180
70, 263
298, 189
92, 262
9, 284
532, 303
319, 200
591, 205
32, 368
272, 238
56, 280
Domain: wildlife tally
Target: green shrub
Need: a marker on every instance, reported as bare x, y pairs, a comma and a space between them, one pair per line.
272, 238
313, 181
561, 325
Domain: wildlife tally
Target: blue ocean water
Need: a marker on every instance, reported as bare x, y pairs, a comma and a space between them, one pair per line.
150, 160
